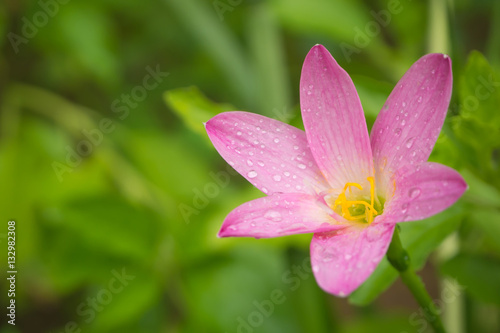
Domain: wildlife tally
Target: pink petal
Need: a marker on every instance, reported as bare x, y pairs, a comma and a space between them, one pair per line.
342, 260
334, 120
279, 215
271, 155
421, 192
410, 121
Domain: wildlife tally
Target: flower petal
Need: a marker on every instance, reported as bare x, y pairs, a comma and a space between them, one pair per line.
279, 215
410, 121
342, 260
334, 120
423, 191
271, 155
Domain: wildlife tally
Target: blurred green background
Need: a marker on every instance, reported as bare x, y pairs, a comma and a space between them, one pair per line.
118, 195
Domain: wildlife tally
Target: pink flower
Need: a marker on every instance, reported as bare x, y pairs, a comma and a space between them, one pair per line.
348, 188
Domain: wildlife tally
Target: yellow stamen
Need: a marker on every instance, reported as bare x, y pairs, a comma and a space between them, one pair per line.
344, 204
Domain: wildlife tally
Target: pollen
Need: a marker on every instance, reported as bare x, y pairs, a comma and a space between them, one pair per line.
357, 210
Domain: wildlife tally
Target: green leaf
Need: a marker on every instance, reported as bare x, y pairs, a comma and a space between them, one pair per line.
488, 220
477, 128
478, 274
193, 107
123, 229
334, 19
372, 93
419, 238
480, 90
269, 56
480, 192
218, 41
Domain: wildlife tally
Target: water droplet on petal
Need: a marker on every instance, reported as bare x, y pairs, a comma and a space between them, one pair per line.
397, 131
409, 142
404, 208
249, 163
372, 234
414, 193
315, 268
276, 140
301, 166
273, 216
347, 257
277, 178
252, 174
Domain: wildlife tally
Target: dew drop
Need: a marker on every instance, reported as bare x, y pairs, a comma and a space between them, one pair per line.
315, 268
301, 166
276, 140
252, 174
404, 208
286, 173
238, 133
409, 142
273, 216
397, 131
277, 178
347, 257
372, 234
249, 163
311, 86
403, 104
403, 122
414, 193
419, 99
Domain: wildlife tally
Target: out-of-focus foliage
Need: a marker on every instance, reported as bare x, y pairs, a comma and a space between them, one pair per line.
117, 197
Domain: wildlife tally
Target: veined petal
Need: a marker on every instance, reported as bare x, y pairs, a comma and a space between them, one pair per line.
422, 191
279, 215
409, 123
334, 120
342, 260
271, 155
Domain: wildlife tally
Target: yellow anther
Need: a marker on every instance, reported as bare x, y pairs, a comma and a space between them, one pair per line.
345, 204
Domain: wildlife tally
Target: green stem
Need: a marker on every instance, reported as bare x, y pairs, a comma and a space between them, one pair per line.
400, 260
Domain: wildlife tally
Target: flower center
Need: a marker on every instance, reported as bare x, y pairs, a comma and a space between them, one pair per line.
358, 210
